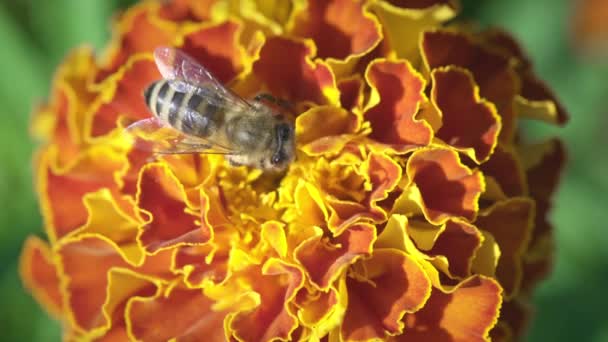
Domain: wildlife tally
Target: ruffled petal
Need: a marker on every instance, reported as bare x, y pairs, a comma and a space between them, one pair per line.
536, 100
504, 174
466, 237
325, 259
392, 285
180, 314
170, 221
496, 77
441, 186
465, 314
405, 20
277, 285
61, 189
325, 129
140, 21
469, 124
88, 291
396, 95
39, 274
123, 96
510, 223
342, 31
286, 69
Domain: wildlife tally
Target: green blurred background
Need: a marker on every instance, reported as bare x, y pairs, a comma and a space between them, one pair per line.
36, 34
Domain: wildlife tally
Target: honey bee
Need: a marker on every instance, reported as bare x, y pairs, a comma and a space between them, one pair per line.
194, 113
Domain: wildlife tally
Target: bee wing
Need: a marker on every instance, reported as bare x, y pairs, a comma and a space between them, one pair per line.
154, 136
176, 65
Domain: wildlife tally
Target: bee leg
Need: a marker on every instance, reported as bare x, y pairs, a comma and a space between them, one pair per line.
234, 163
270, 98
265, 97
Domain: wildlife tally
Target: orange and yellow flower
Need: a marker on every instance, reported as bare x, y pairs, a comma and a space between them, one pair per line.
415, 211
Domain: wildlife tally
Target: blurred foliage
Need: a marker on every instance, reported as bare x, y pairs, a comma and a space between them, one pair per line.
36, 34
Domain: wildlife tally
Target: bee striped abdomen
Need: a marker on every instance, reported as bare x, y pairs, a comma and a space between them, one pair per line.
187, 112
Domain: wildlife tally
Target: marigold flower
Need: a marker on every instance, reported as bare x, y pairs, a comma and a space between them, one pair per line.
415, 209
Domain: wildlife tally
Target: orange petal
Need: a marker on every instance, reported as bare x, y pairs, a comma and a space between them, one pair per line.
39, 275
85, 286
136, 23
181, 314
351, 93
470, 124
277, 285
511, 223
506, 169
339, 28
536, 100
324, 259
162, 197
446, 187
217, 48
124, 96
62, 118
464, 315
394, 285
540, 256
496, 77
543, 163
381, 175
397, 92
186, 10
404, 20
315, 306
90, 294
321, 129
286, 68
61, 190
466, 237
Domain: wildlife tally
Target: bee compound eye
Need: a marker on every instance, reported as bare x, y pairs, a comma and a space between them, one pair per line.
284, 132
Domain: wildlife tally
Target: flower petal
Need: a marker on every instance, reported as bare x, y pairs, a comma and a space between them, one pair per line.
341, 29
123, 96
504, 167
286, 68
496, 76
396, 95
217, 48
536, 100
277, 285
511, 223
465, 314
325, 259
404, 21
178, 314
161, 196
322, 129
88, 290
394, 284
466, 237
61, 189
441, 186
39, 274
470, 124
138, 22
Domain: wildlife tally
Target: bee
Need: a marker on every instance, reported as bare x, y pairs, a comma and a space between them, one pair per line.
194, 113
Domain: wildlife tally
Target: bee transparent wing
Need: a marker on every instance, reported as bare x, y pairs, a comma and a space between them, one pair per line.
176, 65
154, 136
